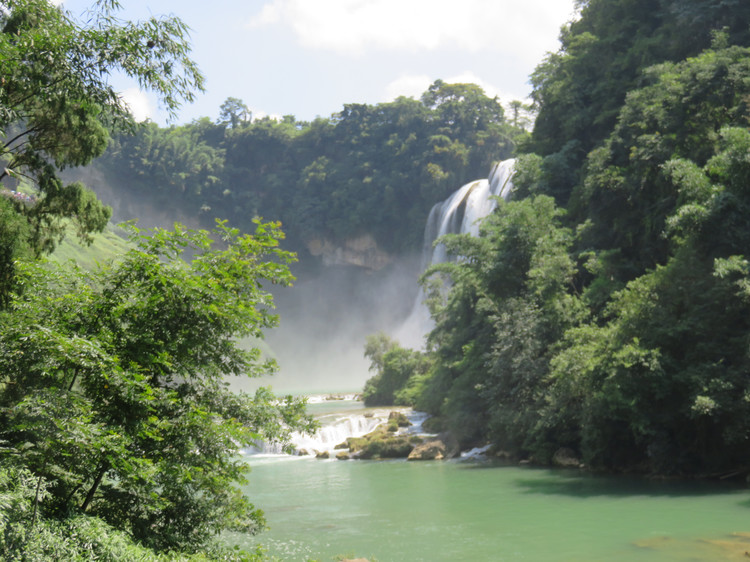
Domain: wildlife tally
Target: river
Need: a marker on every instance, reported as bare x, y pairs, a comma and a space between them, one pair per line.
478, 510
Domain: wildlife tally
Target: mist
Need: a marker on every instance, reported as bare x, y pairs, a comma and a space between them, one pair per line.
326, 318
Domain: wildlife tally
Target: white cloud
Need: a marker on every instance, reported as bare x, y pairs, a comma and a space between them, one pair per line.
139, 104
259, 114
411, 86
354, 26
415, 85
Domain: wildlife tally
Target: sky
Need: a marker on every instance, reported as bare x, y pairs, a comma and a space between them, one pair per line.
308, 58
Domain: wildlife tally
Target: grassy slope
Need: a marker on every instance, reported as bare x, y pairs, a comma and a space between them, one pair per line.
107, 245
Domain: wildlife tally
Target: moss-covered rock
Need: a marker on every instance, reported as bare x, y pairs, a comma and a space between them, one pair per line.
382, 444
397, 420
429, 451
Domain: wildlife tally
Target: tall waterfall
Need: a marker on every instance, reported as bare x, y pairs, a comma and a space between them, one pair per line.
459, 214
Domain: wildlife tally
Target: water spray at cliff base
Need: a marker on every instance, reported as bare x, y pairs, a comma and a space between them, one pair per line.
325, 321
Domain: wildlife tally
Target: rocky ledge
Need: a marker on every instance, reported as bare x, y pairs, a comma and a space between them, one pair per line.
361, 252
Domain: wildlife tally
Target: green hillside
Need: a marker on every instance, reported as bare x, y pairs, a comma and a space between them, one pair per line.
105, 246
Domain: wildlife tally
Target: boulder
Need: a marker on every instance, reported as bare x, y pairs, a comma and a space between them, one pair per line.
381, 444
342, 456
565, 457
322, 454
399, 418
433, 450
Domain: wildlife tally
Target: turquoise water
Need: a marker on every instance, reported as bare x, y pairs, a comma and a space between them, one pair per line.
440, 511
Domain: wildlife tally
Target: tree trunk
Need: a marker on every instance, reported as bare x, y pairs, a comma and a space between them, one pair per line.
98, 480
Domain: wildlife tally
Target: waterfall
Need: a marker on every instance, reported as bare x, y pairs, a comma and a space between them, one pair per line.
459, 214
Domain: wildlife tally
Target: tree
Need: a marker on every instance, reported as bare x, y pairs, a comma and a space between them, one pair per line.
578, 90
113, 383
397, 372
626, 192
509, 300
57, 105
234, 112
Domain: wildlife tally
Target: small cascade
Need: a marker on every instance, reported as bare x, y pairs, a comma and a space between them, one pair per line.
477, 453
461, 213
334, 430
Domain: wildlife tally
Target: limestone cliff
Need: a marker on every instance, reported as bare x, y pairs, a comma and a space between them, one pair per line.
361, 252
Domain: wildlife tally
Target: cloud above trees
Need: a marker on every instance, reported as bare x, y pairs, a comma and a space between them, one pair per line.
354, 27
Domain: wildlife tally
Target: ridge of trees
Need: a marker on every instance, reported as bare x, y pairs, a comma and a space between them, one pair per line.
368, 169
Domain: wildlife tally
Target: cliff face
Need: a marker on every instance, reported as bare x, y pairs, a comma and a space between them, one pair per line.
361, 252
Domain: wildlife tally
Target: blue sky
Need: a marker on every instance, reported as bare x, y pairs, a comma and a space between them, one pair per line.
309, 57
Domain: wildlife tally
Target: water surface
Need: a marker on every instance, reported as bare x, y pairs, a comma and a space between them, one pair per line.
440, 511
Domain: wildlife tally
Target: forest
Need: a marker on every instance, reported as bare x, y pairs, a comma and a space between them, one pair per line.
369, 169
604, 309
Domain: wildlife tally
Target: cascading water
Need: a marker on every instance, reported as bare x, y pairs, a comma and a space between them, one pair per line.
336, 428
459, 214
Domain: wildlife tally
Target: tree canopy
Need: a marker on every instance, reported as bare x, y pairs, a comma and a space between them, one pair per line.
114, 384
603, 310
119, 436
57, 106
368, 169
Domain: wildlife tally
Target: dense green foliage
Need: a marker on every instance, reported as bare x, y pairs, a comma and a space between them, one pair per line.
605, 308
580, 89
79, 538
119, 437
114, 392
369, 169
57, 108
398, 372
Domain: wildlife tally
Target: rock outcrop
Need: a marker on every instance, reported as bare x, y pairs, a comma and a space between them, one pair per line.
443, 447
381, 444
565, 457
397, 420
434, 450
361, 252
